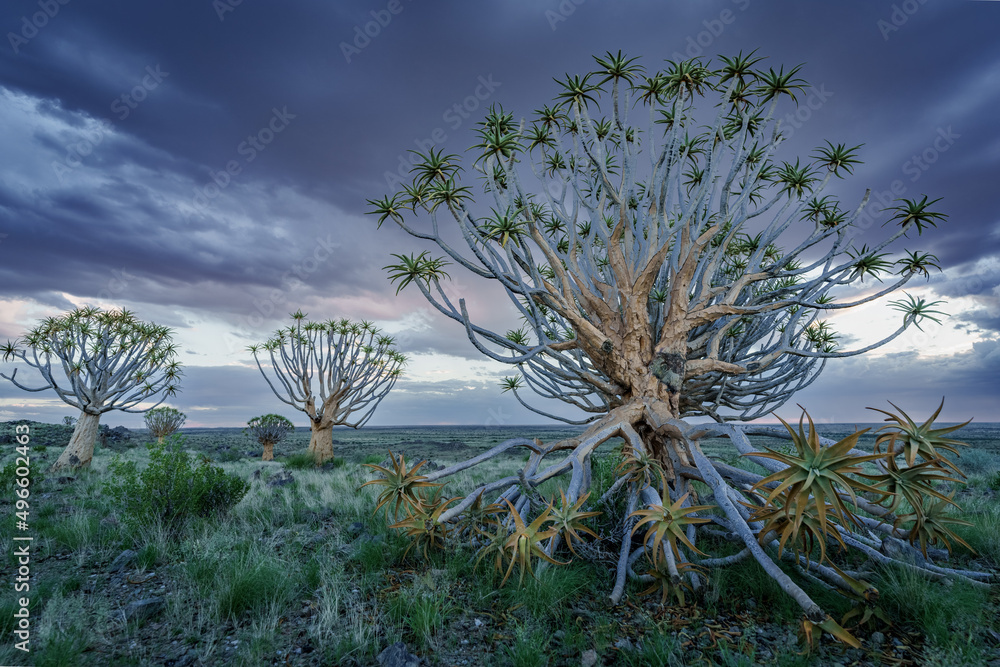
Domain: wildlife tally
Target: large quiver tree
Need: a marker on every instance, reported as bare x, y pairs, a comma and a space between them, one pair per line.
675, 270
104, 360
336, 372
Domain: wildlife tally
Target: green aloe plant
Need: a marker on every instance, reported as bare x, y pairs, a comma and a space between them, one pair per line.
931, 525
922, 440
400, 484
524, 543
423, 524
669, 523
816, 475
567, 519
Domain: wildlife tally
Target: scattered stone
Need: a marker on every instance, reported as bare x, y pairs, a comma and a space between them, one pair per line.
398, 655
109, 520
877, 639
356, 528
256, 473
142, 609
479, 624
184, 660
123, 560
589, 658
624, 644
65, 480
283, 478
318, 538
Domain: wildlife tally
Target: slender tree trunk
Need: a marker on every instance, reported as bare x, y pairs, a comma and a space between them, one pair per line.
269, 450
80, 450
159, 439
321, 442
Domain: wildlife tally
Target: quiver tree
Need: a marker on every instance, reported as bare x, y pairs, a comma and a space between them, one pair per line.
161, 422
336, 372
268, 430
104, 360
681, 269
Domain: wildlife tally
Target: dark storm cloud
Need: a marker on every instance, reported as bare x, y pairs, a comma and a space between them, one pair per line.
170, 95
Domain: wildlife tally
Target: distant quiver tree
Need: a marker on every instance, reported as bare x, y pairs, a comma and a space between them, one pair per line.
336, 372
164, 421
104, 360
666, 270
268, 430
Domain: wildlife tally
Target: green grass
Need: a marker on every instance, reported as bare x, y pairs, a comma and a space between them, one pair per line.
281, 549
422, 612
528, 648
243, 580
303, 460
944, 612
656, 649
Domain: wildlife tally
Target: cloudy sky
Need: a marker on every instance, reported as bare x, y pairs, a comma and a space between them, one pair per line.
206, 165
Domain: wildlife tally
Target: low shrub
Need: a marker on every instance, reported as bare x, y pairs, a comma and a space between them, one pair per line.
172, 489
9, 475
303, 460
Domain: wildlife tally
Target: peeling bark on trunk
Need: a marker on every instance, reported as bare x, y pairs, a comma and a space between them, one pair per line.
321, 442
269, 450
80, 450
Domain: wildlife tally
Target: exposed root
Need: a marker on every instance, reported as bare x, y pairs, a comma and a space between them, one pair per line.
649, 432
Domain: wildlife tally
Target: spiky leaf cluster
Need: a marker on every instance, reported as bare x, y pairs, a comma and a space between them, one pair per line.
400, 484
163, 421
609, 233
268, 429
331, 369
99, 360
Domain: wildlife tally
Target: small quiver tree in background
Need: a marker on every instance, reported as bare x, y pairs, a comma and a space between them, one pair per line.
164, 421
335, 371
104, 360
268, 430
667, 263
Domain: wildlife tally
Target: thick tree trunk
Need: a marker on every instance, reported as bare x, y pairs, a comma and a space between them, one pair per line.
80, 450
159, 439
269, 450
321, 442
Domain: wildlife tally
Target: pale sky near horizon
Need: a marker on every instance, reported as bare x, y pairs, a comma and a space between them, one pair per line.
116, 118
